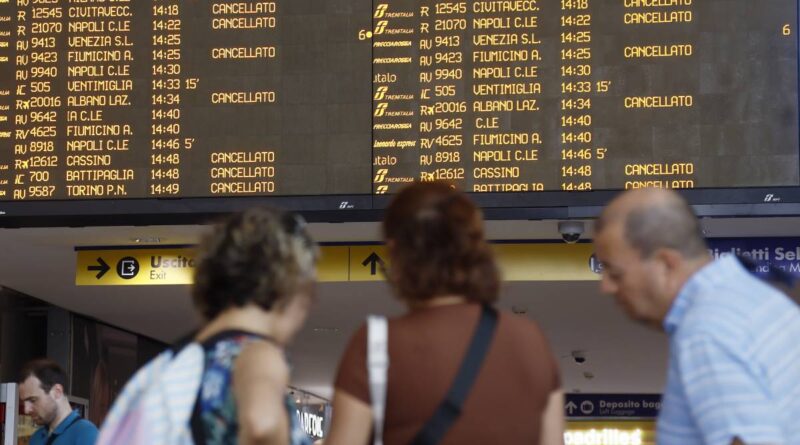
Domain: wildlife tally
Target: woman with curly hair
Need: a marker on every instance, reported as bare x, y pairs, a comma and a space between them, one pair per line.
253, 286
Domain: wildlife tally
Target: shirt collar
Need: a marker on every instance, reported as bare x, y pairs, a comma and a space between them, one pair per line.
691, 288
66, 423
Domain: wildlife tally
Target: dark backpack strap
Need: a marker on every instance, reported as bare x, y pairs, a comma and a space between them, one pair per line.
450, 408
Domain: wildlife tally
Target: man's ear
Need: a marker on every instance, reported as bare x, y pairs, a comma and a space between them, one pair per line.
671, 261
57, 391
670, 258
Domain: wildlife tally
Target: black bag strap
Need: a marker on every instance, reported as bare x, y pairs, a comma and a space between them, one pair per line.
450, 408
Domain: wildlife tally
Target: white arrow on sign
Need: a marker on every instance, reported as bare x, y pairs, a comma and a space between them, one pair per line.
570, 407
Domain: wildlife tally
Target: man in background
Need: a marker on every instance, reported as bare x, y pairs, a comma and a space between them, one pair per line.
43, 396
734, 363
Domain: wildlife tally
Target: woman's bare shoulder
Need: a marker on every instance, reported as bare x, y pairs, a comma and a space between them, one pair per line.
263, 359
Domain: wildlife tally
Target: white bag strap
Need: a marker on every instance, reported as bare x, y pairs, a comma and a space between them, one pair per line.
378, 365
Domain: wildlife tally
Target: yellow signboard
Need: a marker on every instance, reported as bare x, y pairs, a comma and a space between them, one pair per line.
367, 263
333, 264
545, 262
517, 262
135, 267
602, 432
138, 267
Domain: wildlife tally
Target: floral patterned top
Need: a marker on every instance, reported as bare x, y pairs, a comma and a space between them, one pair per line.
215, 421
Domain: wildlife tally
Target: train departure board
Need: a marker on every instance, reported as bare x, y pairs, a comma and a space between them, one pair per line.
123, 99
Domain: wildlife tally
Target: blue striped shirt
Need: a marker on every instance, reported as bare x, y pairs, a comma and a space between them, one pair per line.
734, 365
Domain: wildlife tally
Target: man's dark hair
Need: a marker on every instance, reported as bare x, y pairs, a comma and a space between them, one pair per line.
47, 371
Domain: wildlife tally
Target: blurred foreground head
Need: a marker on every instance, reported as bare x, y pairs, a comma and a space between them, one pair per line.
650, 243
261, 258
436, 244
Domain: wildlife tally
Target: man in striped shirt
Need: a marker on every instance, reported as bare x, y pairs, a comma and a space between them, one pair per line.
734, 364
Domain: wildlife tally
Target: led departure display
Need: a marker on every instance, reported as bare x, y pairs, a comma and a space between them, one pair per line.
103, 99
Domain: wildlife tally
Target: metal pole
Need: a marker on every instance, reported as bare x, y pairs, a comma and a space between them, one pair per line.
9, 396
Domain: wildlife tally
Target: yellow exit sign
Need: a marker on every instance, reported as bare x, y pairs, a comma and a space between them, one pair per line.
359, 262
135, 267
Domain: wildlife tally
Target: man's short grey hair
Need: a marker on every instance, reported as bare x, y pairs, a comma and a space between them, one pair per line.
668, 223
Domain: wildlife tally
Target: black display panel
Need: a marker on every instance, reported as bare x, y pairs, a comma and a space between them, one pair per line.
521, 96
109, 107
124, 99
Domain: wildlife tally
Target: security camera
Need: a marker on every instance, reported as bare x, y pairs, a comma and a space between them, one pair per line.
570, 231
579, 357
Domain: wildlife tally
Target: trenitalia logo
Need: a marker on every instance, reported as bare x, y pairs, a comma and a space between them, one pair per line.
382, 189
381, 27
380, 110
380, 176
380, 11
380, 93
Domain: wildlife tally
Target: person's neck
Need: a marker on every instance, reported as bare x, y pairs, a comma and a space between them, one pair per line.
64, 410
687, 271
250, 318
443, 300
692, 267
